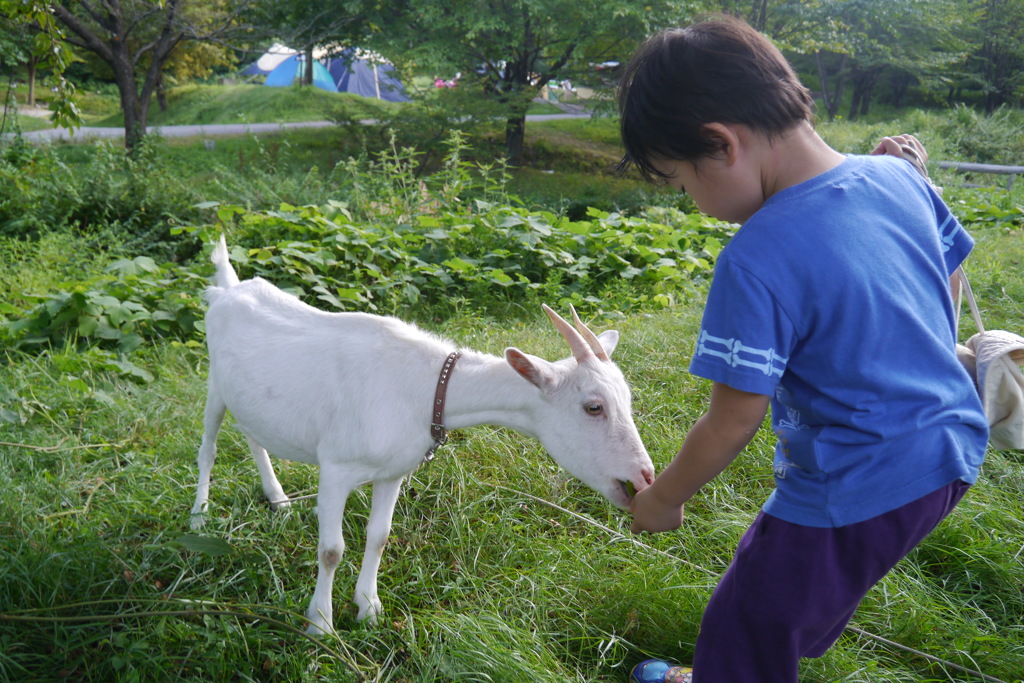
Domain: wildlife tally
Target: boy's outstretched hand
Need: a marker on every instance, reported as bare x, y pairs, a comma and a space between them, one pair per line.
651, 514
732, 419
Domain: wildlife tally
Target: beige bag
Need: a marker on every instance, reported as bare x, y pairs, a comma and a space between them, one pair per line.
993, 358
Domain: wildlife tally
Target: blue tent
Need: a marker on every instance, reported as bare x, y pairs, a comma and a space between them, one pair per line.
285, 73
269, 60
361, 73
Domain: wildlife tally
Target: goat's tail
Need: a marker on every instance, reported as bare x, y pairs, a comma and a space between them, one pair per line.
226, 275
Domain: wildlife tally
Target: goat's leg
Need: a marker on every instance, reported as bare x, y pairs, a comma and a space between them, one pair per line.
213, 415
331, 496
271, 486
385, 494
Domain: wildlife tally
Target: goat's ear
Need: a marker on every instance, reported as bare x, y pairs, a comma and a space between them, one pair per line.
609, 340
534, 370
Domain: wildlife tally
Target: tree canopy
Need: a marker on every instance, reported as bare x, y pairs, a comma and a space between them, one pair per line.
509, 49
943, 48
850, 52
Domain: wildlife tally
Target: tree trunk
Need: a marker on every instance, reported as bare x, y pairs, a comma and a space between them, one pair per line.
830, 98
307, 71
837, 91
135, 110
900, 86
161, 93
863, 85
31, 75
762, 15
515, 138
865, 101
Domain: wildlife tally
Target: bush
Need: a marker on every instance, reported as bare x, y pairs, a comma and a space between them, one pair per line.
425, 125
29, 200
992, 139
489, 258
134, 199
398, 245
132, 301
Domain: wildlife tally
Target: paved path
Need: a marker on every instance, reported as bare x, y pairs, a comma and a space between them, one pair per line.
211, 130
214, 130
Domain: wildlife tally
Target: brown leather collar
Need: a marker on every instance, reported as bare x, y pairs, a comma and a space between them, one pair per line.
437, 430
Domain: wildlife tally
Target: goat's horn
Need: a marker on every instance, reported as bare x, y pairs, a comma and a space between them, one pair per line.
589, 336
580, 349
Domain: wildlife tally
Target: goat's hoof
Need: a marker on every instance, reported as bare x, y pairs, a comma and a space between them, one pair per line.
198, 521
280, 504
319, 630
368, 615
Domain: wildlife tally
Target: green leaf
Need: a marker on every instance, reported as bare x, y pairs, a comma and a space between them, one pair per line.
11, 417
76, 384
458, 265
104, 330
205, 545
349, 294
500, 278
87, 325
135, 266
226, 213
511, 221
129, 343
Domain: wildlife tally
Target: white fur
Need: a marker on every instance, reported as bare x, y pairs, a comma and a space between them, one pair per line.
352, 393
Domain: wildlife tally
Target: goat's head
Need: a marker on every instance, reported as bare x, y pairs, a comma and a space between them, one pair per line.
587, 423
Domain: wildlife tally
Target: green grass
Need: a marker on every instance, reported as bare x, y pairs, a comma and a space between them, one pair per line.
26, 124
197, 104
501, 567
250, 103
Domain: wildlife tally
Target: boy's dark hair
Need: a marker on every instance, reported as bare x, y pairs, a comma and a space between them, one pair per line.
719, 70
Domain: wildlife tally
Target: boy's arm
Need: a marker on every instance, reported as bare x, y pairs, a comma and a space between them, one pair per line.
954, 286
732, 419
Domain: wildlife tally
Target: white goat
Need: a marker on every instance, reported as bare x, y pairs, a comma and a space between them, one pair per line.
355, 393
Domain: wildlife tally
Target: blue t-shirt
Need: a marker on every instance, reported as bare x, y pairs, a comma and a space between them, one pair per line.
834, 300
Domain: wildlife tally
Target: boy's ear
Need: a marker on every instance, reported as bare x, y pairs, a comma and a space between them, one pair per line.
726, 139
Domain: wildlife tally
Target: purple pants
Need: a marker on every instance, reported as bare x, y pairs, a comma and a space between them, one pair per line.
791, 589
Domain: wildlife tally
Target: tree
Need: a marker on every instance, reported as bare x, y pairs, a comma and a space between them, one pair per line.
136, 38
507, 50
999, 57
30, 35
855, 42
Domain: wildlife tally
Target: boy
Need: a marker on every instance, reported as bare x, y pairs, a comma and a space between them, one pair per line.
832, 305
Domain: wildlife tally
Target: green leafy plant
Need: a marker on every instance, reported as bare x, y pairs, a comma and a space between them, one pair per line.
134, 299
484, 255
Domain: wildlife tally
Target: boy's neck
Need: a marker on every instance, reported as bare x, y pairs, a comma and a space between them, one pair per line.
794, 157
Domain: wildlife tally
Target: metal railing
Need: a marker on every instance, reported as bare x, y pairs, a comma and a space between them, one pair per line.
964, 167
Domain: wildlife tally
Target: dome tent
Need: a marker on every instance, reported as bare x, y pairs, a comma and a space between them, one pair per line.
285, 73
366, 73
270, 59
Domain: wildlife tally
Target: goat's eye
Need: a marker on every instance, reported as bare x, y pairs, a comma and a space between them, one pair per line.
593, 408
